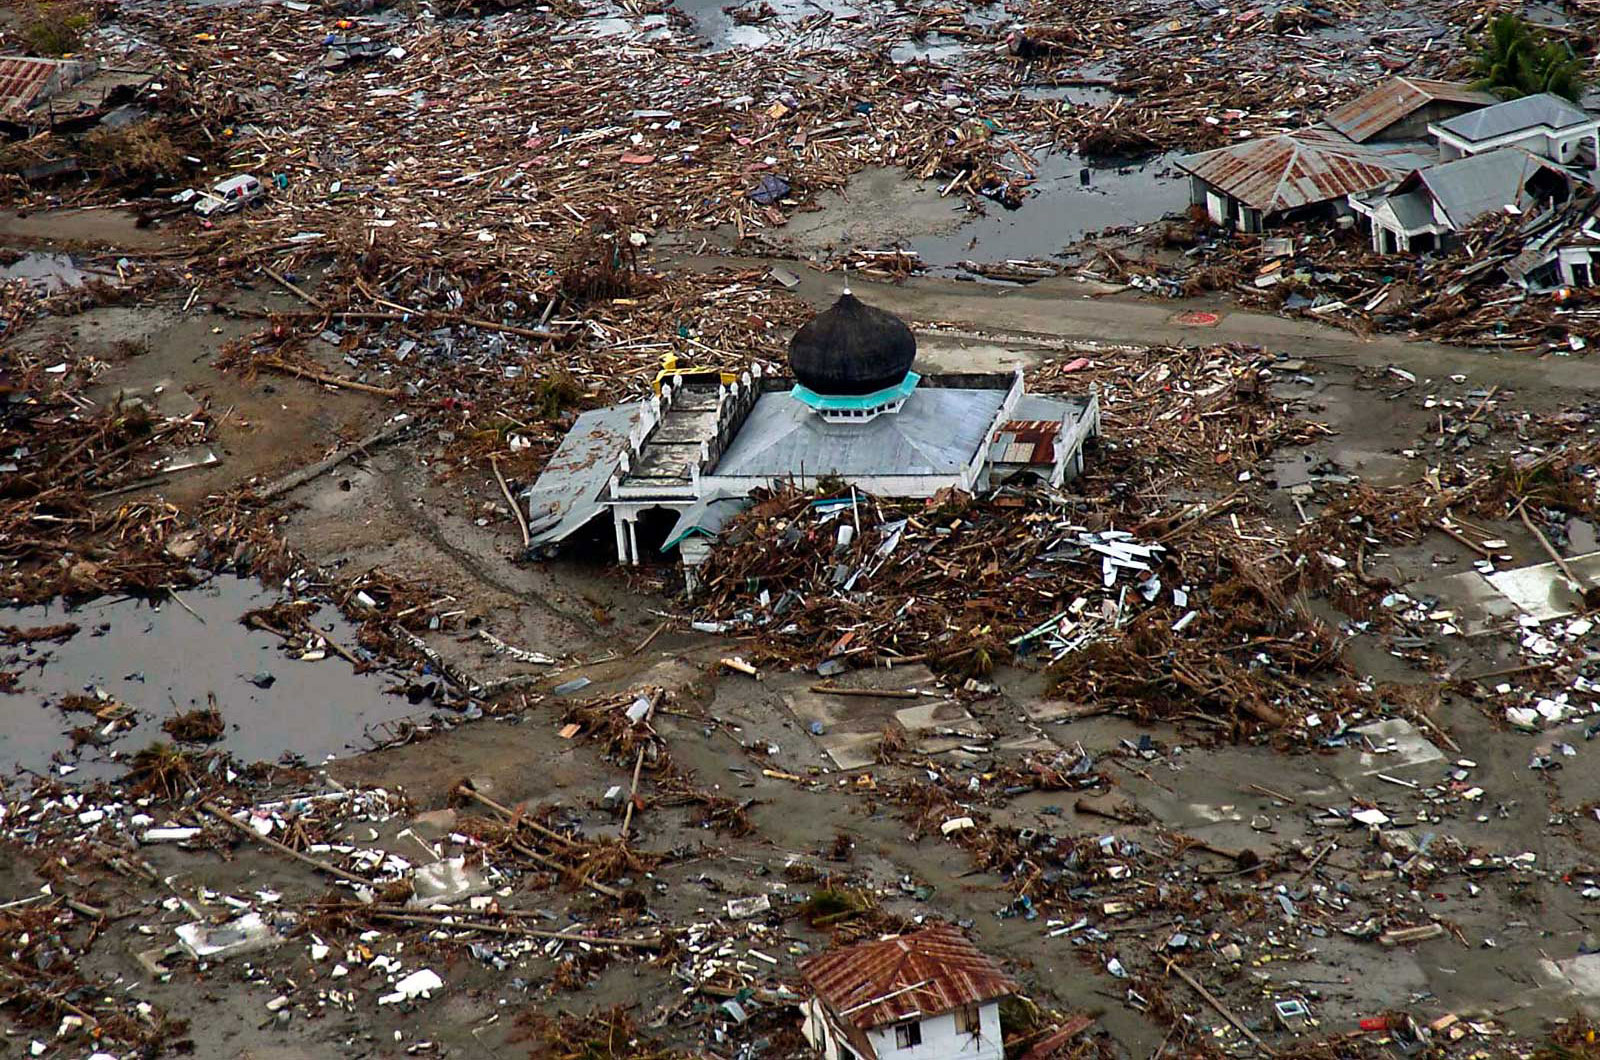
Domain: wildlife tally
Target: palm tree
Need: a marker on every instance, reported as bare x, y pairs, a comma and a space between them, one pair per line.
1504, 57
1559, 71
1516, 60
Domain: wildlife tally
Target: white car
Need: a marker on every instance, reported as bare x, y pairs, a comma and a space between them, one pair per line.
229, 195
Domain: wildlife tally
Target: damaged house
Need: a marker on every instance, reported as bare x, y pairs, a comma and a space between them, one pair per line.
1525, 155
1369, 142
1559, 247
673, 468
1402, 108
1303, 175
930, 995
27, 82
71, 94
1418, 161
1425, 209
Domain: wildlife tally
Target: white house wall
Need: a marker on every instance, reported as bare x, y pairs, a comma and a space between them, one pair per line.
1216, 208
941, 1040
1384, 220
1070, 442
1568, 257
1541, 141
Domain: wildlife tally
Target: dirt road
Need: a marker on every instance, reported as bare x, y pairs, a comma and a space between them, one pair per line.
1063, 308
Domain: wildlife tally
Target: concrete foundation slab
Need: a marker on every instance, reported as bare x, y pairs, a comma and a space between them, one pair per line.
1402, 746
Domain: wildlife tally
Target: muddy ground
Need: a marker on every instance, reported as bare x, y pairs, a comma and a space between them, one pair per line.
410, 509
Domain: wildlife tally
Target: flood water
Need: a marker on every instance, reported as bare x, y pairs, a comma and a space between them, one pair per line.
46, 273
162, 660
1061, 208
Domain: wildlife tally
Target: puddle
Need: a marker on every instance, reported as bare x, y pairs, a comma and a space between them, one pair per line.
46, 273
1061, 208
1077, 95
1547, 15
1084, 85
648, 28
720, 30
161, 660
932, 48
724, 24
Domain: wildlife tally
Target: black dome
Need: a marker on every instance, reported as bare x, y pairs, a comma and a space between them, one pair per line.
852, 349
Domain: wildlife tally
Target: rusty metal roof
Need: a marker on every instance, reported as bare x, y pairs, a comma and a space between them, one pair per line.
1397, 99
1025, 442
922, 974
24, 81
1283, 172
21, 82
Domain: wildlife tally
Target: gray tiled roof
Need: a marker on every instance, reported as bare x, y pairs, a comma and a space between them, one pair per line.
567, 493
1514, 115
1469, 188
937, 432
1412, 210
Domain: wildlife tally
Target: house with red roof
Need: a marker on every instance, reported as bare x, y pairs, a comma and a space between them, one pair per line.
929, 995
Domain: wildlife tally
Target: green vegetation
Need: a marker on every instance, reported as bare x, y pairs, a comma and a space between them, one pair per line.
554, 393
830, 905
1516, 59
55, 29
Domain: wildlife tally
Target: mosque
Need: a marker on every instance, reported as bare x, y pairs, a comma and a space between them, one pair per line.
673, 469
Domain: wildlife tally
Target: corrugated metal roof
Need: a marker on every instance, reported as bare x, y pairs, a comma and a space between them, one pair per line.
1395, 100
22, 81
1291, 170
706, 517
1025, 442
1029, 436
1516, 115
567, 493
1057, 407
923, 974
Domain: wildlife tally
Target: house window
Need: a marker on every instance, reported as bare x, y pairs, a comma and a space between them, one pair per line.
907, 1035
967, 1021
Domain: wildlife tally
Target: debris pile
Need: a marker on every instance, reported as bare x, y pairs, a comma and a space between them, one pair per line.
63, 458
1497, 286
1355, 872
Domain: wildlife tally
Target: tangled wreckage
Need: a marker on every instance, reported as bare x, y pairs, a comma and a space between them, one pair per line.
1062, 674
